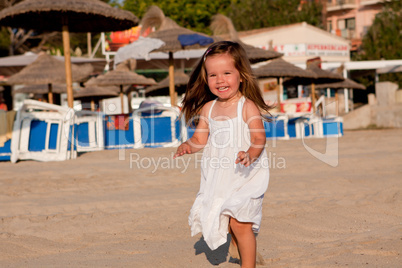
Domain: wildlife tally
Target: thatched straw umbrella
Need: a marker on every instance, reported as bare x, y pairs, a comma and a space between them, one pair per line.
279, 69
323, 76
123, 75
48, 70
169, 32
42, 89
347, 83
223, 26
180, 81
95, 93
66, 16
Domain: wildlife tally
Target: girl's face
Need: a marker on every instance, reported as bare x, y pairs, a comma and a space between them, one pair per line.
222, 76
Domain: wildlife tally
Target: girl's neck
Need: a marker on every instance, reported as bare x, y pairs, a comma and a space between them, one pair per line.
229, 102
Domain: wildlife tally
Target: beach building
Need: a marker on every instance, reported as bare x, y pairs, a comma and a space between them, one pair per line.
299, 42
351, 19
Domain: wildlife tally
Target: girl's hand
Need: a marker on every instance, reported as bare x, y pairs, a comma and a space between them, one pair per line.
243, 158
184, 148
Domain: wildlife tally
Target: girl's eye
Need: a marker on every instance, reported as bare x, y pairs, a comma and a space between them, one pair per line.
227, 73
211, 75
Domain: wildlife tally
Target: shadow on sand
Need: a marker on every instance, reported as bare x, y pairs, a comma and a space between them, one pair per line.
215, 257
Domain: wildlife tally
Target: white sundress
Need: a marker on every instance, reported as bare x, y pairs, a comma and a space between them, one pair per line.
228, 189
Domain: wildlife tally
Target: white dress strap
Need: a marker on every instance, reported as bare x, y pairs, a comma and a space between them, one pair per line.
210, 110
240, 105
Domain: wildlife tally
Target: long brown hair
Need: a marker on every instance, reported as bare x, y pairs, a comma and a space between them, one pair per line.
198, 92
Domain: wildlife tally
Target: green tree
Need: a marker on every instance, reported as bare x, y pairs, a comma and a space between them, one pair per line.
382, 40
245, 14
254, 14
191, 14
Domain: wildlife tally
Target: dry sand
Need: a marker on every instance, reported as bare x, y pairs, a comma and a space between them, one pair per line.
98, 210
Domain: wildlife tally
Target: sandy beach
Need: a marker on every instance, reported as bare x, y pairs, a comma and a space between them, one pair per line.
129, 208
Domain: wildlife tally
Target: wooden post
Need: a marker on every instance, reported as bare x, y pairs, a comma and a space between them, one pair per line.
171, 80
122, 99
336, 102
279, 91
92, 105
89, 45
129, 97
67, 64
313, 97
50, 93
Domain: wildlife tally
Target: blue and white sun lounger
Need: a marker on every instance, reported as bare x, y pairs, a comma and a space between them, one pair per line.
158, 127
89, 131
43, 132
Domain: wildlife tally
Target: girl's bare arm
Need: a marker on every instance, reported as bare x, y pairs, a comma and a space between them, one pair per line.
257, 135
199, 138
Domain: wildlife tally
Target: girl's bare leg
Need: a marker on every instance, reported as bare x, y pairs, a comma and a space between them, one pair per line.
246, 242
233, 249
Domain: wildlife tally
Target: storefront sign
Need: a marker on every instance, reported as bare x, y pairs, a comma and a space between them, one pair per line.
327, 50
293, 50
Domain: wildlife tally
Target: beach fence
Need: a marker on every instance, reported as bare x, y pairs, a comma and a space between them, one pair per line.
48, 132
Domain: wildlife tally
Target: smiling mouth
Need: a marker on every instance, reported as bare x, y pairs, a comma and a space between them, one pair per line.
222, 88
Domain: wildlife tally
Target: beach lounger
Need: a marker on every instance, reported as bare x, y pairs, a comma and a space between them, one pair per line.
43, 132
89, 131
158, 127
277, 128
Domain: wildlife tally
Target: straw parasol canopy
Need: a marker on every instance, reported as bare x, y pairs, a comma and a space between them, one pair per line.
180, 81
48, 70
95, 91
322, 76
79, 15
93, 94
223, 26
65, 16
280, 68
42, 89
122, 76
170, 32
347, 83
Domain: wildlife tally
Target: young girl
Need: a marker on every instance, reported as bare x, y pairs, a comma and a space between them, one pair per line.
224, 101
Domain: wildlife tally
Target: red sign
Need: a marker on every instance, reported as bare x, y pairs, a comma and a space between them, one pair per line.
115, 40
295, 107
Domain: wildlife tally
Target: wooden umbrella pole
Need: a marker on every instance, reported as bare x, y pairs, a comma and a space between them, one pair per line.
278, 95
92, 105
89, 45
67, 62
336, 103
122, 99
171, 80
313, 97
50, 93
129, 97
280, 91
